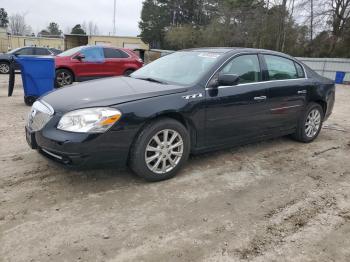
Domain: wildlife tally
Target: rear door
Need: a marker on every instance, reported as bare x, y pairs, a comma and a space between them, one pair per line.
287, 91
115, 61
237, 113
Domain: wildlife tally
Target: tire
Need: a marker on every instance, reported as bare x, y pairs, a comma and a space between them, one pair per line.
309, 124
128, 72
63, 77
29, 100
12, 79
4, 68
166, 162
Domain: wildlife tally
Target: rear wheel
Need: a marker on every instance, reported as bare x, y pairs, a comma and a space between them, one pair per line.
29, 100
310, 124
160, 150
63, 77
4, 68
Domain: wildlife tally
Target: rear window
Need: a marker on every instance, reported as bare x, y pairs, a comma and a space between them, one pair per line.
280, 68
114, 53
42, 51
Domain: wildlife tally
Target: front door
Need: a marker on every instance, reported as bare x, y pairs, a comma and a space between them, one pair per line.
236, 113
92, 66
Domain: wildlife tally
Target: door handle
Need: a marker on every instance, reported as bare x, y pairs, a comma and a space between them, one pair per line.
302, 92
260, 98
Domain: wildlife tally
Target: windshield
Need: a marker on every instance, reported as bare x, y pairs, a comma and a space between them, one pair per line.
183, 68
72, 51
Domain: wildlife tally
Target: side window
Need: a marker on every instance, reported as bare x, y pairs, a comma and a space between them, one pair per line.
300, 70
114, 53
280, 68
246, 67
42, 51
26, 51
93, 54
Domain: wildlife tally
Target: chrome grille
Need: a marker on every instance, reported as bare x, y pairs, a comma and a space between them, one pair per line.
39, 116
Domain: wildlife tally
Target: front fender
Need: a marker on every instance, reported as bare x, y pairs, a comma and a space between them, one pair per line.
137, 113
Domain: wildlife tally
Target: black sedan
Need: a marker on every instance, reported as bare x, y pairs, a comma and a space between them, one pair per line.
191, 101
28, 50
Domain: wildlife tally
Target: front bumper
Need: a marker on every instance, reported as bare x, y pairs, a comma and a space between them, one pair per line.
82, 150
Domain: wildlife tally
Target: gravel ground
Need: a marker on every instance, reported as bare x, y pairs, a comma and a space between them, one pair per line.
277, 200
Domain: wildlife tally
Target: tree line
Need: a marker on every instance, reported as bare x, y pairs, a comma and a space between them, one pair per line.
17, 25
315, 28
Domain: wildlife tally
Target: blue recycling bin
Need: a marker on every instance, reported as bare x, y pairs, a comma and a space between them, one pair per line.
339, 77
38, 76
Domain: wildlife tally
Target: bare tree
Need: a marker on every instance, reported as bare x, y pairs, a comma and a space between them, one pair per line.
18, 25
67, 30
339, 13
282, 23
311, 20
290, 20
90, 28
313, 13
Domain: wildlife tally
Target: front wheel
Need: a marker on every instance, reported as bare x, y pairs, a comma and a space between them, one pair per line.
4, 68
63, 77
128, 72
310, 124
160, 150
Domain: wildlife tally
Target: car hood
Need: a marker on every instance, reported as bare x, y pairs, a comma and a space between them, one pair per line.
5, 56
106, 92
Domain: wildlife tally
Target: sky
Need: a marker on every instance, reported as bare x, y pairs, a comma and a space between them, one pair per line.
67, 13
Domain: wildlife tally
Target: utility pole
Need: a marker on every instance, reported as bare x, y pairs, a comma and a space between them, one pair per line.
114, 13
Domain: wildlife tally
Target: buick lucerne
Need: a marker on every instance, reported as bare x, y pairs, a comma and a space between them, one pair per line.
187, 102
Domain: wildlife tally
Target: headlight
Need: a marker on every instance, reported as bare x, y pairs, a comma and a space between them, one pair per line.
90, 120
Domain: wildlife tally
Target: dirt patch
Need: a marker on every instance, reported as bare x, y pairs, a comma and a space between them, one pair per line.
276, 233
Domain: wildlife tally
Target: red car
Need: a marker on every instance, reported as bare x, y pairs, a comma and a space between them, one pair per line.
91, 62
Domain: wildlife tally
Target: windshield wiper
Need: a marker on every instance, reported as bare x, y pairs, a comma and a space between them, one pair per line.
150, 79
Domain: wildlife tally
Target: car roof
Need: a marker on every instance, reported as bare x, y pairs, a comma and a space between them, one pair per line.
233, 50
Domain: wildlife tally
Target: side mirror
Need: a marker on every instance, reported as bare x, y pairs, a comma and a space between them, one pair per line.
80, 57
228, 80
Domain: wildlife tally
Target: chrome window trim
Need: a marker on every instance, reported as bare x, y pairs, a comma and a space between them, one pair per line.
253, 83
261, 82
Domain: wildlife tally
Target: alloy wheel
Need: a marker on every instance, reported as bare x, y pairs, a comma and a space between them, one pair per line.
313, 123
4, 68
164, 151
63, 79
